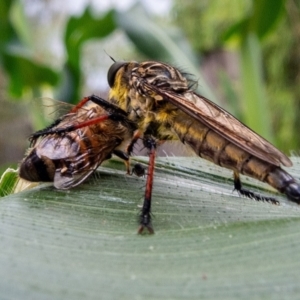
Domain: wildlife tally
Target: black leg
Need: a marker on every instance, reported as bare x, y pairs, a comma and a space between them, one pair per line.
123, 155
113, 113
238, 187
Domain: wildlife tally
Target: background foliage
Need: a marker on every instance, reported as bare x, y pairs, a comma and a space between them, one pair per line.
245, 55
208, 243
244, 51
265, 35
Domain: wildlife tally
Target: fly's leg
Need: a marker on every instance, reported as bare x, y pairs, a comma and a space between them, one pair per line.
113, 113
238, 187
49, 129
137, 134
138, 170
79, 105
33, 137
145, 216
61, 130
126, 158
99, 101
113, 109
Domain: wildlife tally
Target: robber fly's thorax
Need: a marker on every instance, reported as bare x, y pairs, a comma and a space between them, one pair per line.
162, 101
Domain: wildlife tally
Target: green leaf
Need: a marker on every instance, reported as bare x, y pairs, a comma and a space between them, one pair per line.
8, 33
78, 31
234, 103
8, 182
209, 243
237, 29
21, 25
256, 112
265, 15
25, 73
157, 43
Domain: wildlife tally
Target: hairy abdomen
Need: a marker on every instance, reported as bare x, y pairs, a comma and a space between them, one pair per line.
212, 146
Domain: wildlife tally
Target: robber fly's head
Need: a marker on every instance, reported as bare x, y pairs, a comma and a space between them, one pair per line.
125, 75
119, 78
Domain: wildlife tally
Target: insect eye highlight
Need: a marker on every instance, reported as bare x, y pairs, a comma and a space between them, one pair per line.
115, 67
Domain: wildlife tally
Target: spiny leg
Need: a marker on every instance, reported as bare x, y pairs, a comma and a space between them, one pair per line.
126, 158
108, 106
145, 216
238, 187
137, 135
73, 127
34, 137
113, 112
137, 169
50, 128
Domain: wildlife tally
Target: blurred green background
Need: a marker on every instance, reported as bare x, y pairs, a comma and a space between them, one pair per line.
245, 55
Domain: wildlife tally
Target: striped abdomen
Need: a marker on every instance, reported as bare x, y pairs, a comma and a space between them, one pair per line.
212, 146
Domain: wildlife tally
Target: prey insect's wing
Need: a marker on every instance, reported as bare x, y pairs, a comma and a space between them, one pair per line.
65, 181
222, 122
73, 166
74, 154
49, 110
49, 113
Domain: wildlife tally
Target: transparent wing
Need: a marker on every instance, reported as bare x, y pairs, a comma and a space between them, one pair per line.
224, 124
65, 181
76, 169
47, 110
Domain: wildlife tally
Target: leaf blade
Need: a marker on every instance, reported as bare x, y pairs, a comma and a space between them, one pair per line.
209, 242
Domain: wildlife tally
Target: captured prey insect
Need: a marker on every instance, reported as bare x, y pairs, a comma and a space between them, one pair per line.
161, 101
71, 149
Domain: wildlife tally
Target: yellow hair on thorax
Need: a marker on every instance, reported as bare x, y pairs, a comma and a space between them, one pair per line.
119, 92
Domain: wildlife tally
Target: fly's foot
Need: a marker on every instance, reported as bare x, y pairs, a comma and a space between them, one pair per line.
257, 197
145, 223
249, 194
138, 170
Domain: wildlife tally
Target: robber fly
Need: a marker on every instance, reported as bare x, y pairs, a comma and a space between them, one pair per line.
71, 149
161, 101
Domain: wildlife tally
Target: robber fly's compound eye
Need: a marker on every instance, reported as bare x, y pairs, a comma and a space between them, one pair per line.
115, 67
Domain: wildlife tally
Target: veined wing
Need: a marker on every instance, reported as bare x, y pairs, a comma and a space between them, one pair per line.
49, 111
65, 181
222, 122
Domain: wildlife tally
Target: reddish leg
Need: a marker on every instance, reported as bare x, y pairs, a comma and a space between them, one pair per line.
101, 102
145, 217
113, 112
80, 104
53, 130
137, 134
